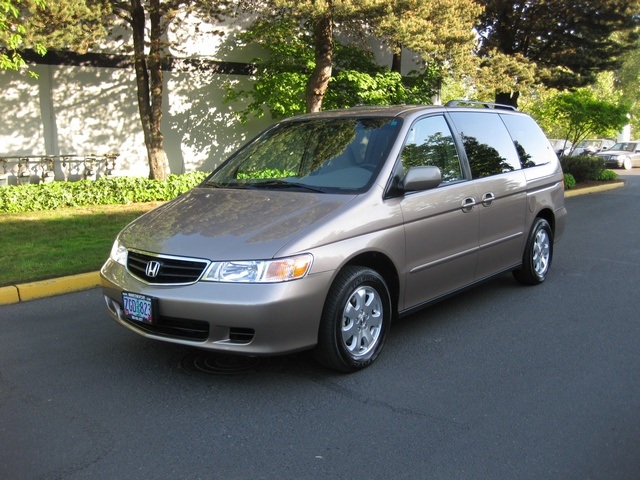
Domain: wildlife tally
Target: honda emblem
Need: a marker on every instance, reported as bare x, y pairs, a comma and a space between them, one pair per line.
153, 268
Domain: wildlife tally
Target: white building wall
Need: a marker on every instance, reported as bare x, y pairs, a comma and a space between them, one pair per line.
85, 110
89, 110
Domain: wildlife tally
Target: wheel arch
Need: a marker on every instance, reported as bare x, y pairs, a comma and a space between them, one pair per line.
385, 267
548, 215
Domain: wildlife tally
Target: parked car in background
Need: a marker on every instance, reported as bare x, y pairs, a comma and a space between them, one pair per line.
592, 146
327, 226
622, 155
561, 147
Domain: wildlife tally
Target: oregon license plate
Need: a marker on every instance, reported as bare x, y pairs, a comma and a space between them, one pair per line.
139, 308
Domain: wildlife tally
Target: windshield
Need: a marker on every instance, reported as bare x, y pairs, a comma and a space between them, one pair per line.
340, 155
625, 146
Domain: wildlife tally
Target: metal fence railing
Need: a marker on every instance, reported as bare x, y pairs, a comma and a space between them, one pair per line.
22, 169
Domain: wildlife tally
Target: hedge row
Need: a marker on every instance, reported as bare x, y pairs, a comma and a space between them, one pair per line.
124, 190
586, 167
104, 191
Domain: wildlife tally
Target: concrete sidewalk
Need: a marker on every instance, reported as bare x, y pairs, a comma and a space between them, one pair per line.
84, 281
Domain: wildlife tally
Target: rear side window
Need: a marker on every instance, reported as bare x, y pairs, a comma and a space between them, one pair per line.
532, 145
490, 149
430, 143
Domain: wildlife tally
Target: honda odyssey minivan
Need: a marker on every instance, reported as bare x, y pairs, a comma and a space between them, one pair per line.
327, 227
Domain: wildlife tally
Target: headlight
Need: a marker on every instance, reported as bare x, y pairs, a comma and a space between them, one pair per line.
118, 253
260, 271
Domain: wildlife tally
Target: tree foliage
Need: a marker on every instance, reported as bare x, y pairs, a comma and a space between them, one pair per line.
300, 39
13, 32
439, 30
281, 77
42, 25
568, 43
149, 22
580, 114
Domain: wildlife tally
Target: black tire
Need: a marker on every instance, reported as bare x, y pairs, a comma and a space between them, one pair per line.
538, 253
355, 320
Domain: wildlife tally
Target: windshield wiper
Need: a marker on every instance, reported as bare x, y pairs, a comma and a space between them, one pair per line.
283, 184
211, 184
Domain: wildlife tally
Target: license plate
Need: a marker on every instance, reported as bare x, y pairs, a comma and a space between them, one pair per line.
139, 308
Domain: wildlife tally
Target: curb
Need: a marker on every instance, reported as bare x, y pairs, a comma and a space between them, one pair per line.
84, 281
596, 189
47, 288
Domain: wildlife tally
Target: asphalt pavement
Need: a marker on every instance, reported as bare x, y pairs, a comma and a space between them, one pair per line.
501, 382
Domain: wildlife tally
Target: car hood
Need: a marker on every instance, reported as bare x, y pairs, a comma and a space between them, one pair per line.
228, 224
606, 153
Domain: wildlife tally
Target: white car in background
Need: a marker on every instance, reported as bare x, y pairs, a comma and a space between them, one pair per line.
622, 155
560, 146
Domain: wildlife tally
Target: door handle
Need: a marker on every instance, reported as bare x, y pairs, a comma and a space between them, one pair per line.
468, 204
487, 199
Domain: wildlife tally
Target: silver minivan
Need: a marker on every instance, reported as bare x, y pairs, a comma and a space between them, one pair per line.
327, 227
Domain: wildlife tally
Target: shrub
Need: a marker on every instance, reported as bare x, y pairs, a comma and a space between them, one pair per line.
608, 175
104, 191
583, 167
569, 181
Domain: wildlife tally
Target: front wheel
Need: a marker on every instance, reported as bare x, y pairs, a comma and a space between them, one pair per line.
355, 320
627, 164
537, 256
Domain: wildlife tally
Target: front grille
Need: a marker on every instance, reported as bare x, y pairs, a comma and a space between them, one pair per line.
175, 328
172, 271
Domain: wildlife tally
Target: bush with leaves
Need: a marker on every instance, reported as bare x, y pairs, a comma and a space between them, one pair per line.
569, 181
104, 191
583, 167
608, 175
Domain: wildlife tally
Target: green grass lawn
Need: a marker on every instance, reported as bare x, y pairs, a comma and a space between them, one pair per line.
43, 245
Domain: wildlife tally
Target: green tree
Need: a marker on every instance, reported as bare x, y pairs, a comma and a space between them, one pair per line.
299, 38
566, 42
441, 31
14, 34
149, 21
42, 25
581, 114
281, 77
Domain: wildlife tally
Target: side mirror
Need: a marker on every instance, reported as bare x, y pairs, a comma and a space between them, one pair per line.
421, 178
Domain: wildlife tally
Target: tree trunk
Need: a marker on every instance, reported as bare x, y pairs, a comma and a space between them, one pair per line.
508, 98
396, 62
149, 82
319, 80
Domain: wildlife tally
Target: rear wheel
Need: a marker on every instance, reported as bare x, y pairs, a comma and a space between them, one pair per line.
355, 320
538, 254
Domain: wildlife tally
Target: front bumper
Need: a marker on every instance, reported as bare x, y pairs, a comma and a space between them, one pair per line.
253, 319
613, 163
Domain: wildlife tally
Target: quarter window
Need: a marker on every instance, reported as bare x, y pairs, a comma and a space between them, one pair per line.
532, 146
430, 143
490, 149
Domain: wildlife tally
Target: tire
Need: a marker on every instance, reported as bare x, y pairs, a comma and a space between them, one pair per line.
627, 164
355, 320
538, 253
